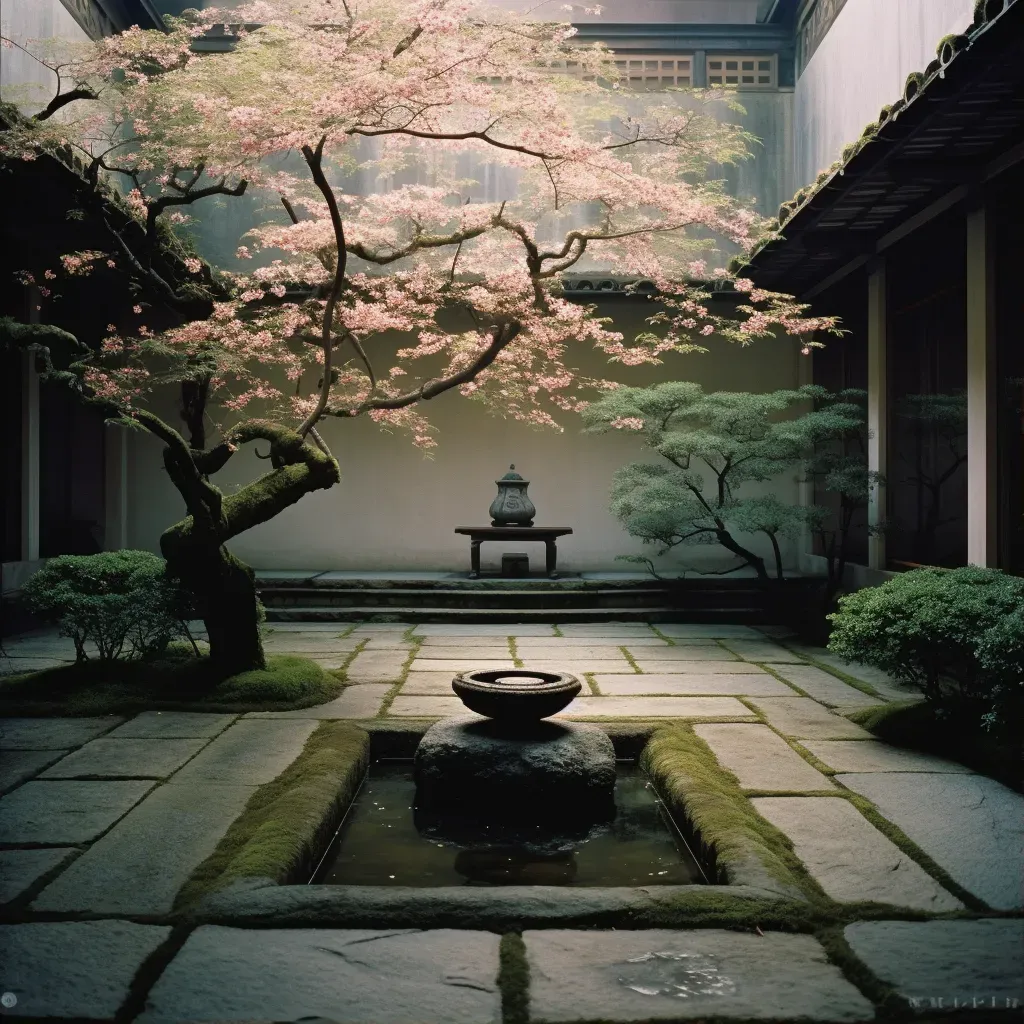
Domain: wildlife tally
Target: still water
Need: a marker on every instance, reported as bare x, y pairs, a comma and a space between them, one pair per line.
386, 841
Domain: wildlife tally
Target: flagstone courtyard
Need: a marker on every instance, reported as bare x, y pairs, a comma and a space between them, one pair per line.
917, 860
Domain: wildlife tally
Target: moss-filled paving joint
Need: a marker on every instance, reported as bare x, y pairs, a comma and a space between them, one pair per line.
389, 697
629, 657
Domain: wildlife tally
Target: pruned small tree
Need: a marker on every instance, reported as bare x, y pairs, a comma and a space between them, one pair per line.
713, 443
475, 286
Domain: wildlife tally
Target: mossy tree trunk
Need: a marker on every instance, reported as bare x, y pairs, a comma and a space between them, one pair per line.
223, 586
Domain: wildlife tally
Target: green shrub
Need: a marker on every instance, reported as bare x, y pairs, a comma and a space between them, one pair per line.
121, 601
925, 627
1000, 654
286, 678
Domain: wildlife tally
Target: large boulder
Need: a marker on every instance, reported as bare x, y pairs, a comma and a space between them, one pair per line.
535, 771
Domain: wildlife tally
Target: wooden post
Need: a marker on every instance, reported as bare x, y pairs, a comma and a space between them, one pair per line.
878, 406
30, 442
982, 500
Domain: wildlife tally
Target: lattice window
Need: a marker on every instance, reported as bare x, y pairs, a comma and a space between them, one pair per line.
743, 72
649, 71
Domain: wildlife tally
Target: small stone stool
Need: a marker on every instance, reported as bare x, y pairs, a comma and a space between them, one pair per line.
515, 564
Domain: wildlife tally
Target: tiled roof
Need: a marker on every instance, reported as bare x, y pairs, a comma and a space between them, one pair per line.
958, 117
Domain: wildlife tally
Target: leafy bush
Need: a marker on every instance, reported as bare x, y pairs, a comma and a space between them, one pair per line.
926, 627
286, 678
1000, 654
121, 601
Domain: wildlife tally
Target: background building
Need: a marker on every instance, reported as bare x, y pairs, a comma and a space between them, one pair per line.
810, 75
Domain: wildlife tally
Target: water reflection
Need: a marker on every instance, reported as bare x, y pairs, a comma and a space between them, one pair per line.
681, 975
387, 841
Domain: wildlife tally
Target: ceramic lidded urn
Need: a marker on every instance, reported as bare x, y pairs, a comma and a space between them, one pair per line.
512, 507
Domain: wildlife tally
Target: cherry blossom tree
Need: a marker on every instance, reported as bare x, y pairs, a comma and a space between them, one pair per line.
312, 92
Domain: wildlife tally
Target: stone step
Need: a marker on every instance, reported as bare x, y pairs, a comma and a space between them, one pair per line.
425, 613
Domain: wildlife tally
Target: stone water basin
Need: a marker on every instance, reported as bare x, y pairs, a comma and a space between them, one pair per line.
386, 840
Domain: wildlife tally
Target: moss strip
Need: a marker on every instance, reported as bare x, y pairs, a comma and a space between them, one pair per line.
728, 833
396, 688
629, 657
514, 980
287, 822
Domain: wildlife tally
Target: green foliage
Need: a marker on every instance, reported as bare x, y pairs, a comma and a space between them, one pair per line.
286, 678
288, 822
925, 627
1000, 654
709, 805
738, 437
121, 601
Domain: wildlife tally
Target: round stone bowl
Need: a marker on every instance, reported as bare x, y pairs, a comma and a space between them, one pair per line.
516, 694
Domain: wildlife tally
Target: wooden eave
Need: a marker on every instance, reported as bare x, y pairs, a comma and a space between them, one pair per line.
967, 119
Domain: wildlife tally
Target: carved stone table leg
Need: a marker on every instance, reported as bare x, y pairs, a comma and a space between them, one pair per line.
474, 559
551, 558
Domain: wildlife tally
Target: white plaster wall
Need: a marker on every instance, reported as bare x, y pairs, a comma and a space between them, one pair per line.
23, 80
396, 509
861, 65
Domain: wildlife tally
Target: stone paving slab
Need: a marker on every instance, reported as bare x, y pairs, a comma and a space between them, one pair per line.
426, 706
16, 666
141, 863
330, 662
361, 700
250, 753
570, 643
75, 969
312, 643
65, 813
433, 683
343, 976
580, 666
18, 766
655, 707
874, 756
386, 642
166, 725
52, 733
665, 666
699, 630
490, 652
762, 650
454, 665
849, 858
376, 667
874, 677
823, 687
685, 652
691, 684
609, 629
946, 965
682, 975
760, 759
803, 718
20, 868
606, 652
485, 629
149, 758
971, 826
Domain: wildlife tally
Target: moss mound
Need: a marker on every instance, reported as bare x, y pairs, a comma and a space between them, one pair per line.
286, 678
288, 822
710, 807
177, 680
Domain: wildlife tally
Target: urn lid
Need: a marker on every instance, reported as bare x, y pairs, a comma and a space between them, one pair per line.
510, 475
